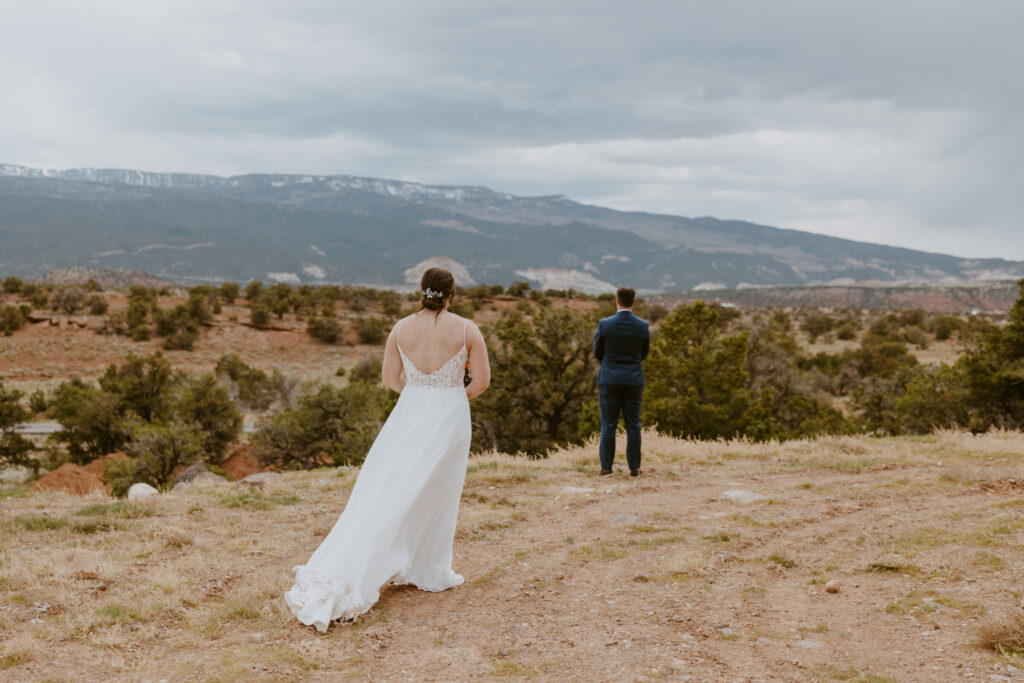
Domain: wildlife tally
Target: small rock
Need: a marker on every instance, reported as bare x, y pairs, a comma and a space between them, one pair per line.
577, 489
626, 519
726, 631
997, 677
832, 586
809, 644
140, 491
192, 472
766, 641
743, 497
196, 474
261, 478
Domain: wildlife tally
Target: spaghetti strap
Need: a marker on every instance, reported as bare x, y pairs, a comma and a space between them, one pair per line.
465, 324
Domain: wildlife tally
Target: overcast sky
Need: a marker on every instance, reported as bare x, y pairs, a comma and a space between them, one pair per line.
895, 121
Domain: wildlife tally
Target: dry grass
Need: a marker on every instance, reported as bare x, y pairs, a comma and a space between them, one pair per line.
924, 536
1004, 634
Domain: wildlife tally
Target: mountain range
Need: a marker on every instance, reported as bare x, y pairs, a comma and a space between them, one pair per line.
316, 228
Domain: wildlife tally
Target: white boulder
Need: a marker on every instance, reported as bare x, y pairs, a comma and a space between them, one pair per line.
141, 491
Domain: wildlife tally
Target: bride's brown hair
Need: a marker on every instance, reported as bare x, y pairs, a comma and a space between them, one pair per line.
436, 285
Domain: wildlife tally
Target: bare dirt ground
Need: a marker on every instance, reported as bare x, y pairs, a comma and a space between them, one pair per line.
41, 355
569, 576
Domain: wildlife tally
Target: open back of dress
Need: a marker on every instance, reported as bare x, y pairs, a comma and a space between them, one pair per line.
399, 523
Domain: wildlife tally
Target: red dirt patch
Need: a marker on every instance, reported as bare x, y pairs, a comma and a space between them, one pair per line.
241, 463
70, 478
99, 464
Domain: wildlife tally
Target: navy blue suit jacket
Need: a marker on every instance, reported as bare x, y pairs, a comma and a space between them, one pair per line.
621, 344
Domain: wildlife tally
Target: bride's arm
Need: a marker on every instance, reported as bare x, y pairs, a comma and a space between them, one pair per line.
391, 370
477, 361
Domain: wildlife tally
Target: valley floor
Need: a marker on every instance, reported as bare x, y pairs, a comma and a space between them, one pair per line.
569, 576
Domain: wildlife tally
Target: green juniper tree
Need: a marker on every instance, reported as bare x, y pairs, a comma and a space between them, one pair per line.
543, 375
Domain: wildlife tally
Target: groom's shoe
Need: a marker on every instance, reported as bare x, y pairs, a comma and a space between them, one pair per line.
634, 473
604, 471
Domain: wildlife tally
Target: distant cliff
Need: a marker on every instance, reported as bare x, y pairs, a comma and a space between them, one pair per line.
983, 297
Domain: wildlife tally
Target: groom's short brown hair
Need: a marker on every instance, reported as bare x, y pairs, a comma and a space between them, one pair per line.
625, 296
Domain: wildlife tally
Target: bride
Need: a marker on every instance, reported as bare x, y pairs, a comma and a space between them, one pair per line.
399, 523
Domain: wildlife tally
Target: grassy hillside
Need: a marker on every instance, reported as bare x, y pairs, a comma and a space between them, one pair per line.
568, 575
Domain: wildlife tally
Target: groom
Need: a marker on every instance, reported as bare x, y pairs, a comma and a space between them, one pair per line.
621, 344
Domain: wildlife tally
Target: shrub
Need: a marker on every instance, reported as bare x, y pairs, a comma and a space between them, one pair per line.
916, 336
994, 369
12, 319
390, 304
181, 324
518, 289
39, 298
655, 313
259, 313
876, 398
358, 303
97, 304
816, 324
136, 315
182, 339
371, 330
913, 317
367, 370
144, 385
326, 330
37, 402
785, 404
253, 290
696, 381
142, 392
944, 326
12, 284
146, 295
228, 292
14, 448
155, 451
847, 330
543, 373
91, 421
331, 425
206, 403
935, 398
68, 299
250, 386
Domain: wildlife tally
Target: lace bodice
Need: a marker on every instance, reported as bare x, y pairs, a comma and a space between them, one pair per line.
448, 375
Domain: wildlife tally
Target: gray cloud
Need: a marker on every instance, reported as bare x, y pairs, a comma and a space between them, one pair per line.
896, 122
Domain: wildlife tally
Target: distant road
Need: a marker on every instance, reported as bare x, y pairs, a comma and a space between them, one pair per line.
44, 428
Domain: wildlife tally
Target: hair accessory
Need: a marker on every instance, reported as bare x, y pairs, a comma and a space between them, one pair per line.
431, 294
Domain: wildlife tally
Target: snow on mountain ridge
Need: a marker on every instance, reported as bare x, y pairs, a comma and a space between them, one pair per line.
406, 190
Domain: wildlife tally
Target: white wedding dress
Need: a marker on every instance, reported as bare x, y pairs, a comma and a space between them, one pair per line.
399, 523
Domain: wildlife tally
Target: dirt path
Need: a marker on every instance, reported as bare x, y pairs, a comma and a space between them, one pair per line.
570, 576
